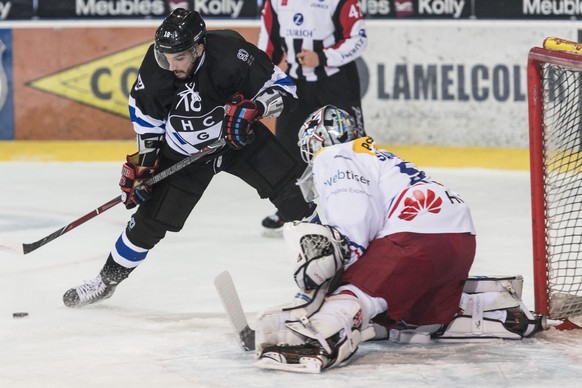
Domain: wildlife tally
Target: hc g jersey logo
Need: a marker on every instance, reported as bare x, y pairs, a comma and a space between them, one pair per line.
195, 130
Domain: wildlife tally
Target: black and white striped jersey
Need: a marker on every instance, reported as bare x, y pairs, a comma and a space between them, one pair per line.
188, 113
334, 28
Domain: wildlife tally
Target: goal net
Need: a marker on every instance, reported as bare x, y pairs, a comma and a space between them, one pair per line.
555, 129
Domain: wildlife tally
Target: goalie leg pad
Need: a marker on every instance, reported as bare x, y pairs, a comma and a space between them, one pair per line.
476, 304
271, 328
476, 284
467, 328
338, 315
332, 336
337, 329
493, 309
308, 358
516, 325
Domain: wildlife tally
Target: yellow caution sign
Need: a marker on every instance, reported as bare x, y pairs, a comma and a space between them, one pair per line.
103, 83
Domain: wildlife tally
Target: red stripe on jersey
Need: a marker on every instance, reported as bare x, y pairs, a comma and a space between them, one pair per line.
267, 13
347, 292
348, 18
397, 202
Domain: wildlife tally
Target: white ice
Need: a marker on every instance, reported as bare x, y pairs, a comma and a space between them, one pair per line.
165, 326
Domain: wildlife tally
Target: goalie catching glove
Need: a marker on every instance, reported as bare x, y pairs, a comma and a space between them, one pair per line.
319, 252
239, 115
132, 179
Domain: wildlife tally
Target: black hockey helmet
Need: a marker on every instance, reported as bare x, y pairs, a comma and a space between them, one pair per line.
181, 31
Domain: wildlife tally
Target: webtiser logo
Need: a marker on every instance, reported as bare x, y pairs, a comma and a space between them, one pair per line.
419, 203
345, 175
103, 83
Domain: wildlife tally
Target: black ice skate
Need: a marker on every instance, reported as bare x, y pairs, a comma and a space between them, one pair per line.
273, 225
91, 291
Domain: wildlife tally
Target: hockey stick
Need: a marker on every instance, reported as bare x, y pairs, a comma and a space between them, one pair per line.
231, 302
27, 248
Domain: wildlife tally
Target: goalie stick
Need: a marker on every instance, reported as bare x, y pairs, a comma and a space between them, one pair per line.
25, 248
231, 302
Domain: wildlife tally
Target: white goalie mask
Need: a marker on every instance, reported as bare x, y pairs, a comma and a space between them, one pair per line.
325, 127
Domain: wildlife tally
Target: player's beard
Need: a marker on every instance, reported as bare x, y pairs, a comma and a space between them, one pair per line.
181, 74
184, 74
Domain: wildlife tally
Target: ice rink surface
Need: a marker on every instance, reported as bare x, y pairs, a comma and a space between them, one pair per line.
165, 326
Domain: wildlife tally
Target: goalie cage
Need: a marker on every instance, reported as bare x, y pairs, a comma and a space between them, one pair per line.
555, 131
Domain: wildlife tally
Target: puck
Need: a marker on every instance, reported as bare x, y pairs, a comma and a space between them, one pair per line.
19, 315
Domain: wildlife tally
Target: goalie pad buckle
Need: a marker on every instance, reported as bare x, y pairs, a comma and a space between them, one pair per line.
271, 328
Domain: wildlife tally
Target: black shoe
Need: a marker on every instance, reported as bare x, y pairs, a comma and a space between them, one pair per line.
274, 221
91, 291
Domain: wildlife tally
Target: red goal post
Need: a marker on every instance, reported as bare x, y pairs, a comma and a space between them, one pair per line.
555, 132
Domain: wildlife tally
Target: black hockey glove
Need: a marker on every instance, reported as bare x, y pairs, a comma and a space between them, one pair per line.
131, 182
238, 118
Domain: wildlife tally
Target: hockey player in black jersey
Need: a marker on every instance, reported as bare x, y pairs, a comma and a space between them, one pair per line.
196, 86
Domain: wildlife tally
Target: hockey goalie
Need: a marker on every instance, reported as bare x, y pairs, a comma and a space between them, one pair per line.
392, 262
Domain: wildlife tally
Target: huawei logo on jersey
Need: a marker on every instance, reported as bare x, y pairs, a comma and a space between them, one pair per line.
420, 203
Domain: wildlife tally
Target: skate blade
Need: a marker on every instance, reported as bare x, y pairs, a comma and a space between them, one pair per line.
272, 233
307, 365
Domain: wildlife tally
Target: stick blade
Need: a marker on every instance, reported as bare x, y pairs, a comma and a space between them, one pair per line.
231, 303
